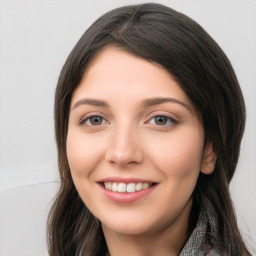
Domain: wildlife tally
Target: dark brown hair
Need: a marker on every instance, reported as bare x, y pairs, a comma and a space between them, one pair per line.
162, 35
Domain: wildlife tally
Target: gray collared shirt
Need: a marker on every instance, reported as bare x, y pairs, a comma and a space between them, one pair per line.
197, 244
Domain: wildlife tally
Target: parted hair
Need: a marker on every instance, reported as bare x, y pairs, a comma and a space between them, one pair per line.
161, 35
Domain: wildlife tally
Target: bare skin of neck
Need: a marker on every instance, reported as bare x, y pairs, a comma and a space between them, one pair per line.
162, 241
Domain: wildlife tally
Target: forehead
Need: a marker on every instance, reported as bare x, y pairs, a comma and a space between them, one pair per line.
115, 74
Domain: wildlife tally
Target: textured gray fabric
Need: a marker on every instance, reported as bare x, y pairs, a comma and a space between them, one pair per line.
197, 244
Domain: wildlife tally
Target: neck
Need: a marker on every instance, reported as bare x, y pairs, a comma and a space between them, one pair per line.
166, 241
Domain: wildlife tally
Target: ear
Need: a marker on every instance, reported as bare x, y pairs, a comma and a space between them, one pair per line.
208, 160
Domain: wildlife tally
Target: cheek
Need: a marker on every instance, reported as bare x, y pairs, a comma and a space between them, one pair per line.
178, 159
178, 153
82, 154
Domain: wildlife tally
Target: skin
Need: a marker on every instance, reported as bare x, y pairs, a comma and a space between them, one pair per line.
128, 142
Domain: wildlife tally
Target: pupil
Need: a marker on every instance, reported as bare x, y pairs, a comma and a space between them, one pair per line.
161, 120
96, 120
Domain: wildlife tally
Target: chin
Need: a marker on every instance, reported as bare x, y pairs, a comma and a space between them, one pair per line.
137, 224
124, 228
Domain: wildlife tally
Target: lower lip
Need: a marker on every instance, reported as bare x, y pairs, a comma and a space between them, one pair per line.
126, 197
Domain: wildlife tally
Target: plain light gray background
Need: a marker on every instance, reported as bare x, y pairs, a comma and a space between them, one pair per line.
35, 39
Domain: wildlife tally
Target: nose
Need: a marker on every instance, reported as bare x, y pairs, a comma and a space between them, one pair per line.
124, 147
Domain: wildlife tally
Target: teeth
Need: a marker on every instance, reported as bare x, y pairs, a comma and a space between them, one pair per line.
114, 186
138, 186
108, 186
123, 188
130, 187
144, 185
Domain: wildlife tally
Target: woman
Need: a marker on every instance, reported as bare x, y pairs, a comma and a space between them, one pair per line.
149, 118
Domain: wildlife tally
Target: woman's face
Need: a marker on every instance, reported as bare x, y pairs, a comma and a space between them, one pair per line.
135, 144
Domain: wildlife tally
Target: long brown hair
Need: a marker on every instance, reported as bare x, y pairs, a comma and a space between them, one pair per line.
176, 42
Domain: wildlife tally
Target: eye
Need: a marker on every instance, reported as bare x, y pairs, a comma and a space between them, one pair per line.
162, 120
93, 120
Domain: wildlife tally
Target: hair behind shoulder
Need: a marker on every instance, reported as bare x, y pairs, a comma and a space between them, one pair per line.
162, 35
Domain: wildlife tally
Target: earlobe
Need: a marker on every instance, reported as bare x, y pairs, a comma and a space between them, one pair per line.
208, 160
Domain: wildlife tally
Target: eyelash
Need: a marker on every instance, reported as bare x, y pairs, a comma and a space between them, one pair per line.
89, 117
169, 120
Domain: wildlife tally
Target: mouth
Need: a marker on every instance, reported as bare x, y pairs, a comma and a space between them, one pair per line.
131, 187
126, 190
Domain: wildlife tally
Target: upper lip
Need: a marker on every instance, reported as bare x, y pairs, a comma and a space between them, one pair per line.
125, 180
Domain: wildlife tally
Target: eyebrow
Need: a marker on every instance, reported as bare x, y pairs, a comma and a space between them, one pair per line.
94, 102
146, 103
156, 101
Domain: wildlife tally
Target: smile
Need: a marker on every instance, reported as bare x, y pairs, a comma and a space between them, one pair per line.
122, 190
126, 188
